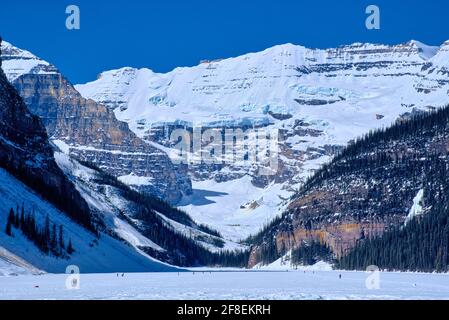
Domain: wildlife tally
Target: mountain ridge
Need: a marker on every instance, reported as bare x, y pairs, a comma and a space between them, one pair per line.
31, 179
387, 187
104, 226
319, 100
416, 44
88, 130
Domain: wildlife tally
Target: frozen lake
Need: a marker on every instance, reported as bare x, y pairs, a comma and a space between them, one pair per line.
228, 285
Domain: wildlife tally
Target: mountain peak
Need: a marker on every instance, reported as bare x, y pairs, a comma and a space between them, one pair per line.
10, 49
124, 71
425, 51
445, 44
17, 62
286, 48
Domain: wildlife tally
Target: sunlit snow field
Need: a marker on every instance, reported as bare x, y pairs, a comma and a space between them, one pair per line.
228, 285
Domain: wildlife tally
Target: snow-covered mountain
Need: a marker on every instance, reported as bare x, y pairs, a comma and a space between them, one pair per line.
319, 99
90, 131
285, 79
58, 211
92, 254
382, 201
146, 223
17, 62
30, 179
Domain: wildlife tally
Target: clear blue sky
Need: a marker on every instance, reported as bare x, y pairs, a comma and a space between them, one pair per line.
162, 35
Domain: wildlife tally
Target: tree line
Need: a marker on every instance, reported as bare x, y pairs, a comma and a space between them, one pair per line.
409, 155
181, 249
311, 253
422, 244
49, 239
148, 200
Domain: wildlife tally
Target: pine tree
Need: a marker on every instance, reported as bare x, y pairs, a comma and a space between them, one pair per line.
22, 218
47, 227
53, 239
70, 249
16, 219
8, 228
61, 238
11, 216
10, 222
48, 239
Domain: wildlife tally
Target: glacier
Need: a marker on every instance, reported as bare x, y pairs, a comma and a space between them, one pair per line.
321, 99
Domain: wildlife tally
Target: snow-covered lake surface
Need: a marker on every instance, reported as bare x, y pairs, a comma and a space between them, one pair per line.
228, 285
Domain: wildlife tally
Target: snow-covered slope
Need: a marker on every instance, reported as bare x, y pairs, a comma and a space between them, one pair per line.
107, 204
90, 131
12, 265
236, 208
319, 99
251, 85
17, 62
46, 223
105, 254
119, 212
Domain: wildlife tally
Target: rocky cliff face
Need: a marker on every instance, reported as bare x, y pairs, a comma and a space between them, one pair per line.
319, 100
377, 183
116, 228
26, 153
89, 131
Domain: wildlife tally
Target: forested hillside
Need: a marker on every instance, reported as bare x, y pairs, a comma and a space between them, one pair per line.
381, 201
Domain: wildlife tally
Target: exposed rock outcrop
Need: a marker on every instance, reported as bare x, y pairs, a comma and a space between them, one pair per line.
372, 186
90, 132
26, 153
